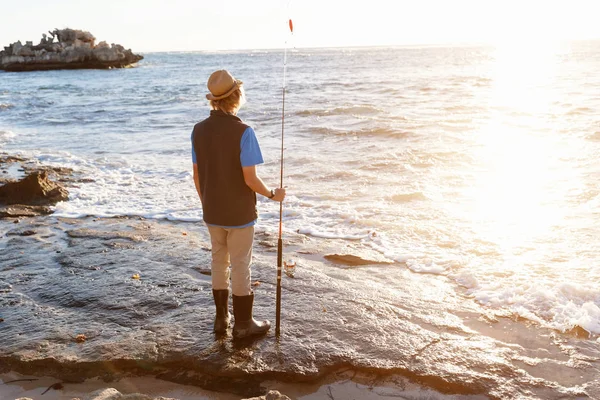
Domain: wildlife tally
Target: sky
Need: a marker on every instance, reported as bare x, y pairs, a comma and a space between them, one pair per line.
189, 25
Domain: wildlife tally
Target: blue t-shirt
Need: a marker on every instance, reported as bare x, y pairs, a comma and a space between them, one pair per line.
250, 155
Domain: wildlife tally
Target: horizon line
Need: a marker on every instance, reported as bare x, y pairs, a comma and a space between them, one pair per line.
381, 46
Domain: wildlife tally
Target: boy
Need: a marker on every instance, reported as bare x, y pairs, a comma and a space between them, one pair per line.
225, 154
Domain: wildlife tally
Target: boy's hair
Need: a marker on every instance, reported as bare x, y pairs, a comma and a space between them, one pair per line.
230, 104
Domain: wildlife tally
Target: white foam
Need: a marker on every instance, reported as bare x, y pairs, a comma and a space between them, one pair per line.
123, 188
558, 303
331, 234
425, 265
118, 188
377, 242
560, 306
6, 136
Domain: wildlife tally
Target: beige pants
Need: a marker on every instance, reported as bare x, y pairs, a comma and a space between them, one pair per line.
231, 246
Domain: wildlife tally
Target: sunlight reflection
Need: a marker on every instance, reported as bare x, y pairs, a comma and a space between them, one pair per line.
514, 196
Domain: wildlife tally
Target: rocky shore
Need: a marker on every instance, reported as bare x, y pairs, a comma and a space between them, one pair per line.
65, 49
126, 297
34, 193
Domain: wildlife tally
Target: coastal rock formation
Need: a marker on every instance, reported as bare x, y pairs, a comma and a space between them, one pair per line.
129, 286
34, 190
65, 49
33, 194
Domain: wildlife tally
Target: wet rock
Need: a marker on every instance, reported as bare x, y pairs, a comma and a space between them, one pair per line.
27, 232
15, 211
272, 395
203, 270
114, 394
375, 319
578, 332
268, 243
106, 236
73, 49
34, 190
103, 394
61, 172
6, 159
240, 385
352, 260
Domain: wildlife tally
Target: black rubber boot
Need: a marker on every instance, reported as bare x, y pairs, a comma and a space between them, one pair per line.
244, 324
222, 317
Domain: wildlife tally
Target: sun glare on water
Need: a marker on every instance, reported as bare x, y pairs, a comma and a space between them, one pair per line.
517, 152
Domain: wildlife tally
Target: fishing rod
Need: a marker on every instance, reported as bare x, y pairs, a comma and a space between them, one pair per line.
279, 241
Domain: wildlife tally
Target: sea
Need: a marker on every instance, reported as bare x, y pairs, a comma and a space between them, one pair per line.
477, 163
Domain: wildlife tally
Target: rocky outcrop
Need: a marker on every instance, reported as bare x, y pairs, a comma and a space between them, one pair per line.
34, 190
28, 189
66, 49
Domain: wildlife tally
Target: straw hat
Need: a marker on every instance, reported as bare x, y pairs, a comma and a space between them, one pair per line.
221, 84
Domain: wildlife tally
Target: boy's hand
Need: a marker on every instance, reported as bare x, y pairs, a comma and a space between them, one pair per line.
279, 194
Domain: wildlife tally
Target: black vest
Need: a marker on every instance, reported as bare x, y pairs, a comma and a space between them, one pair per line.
226, 199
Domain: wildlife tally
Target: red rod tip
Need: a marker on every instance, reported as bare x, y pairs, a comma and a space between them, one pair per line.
291, 26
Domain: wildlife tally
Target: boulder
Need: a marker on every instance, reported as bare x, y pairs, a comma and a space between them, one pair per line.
34, 190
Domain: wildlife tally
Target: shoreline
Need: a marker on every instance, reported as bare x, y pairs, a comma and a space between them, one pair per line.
336, 318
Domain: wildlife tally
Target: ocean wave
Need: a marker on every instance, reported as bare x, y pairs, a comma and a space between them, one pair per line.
57, 121
346, 110
376, 131
477, 81
425, 266
455, 123
560, 306
380, 243
461, 108
563, 306
580, 111
40, 103
406, 197
331, 234
6, 136
113, 187
65, 86
594, 136
423, 89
